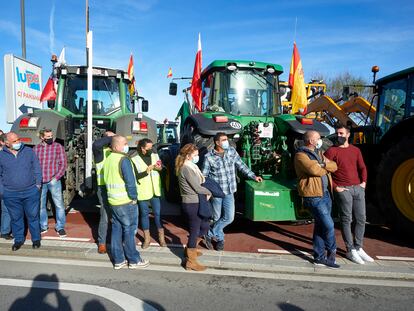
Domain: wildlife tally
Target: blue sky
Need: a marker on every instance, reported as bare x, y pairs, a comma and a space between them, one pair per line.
332, 37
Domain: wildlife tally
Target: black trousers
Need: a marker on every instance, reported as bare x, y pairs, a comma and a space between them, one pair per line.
197, 227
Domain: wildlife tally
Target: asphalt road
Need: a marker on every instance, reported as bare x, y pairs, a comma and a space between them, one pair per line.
81, 287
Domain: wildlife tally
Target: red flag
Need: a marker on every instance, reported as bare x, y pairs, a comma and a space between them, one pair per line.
196, 82
297, 83
131, 86
169, 75
49, 92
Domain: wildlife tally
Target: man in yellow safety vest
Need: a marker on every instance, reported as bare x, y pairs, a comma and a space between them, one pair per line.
120, 182
101, 151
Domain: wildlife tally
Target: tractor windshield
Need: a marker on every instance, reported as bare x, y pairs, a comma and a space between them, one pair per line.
392, 104
241, 92
105, 96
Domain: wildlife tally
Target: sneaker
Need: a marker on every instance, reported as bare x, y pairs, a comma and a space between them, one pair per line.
326, 263
320, 262
118, 266
43, 231
354, 257
7, 236
61, 232
36, 244
364, 256
207, 242
143, 263
220, 246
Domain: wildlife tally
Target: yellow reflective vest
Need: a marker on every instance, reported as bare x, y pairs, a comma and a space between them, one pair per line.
149, 185
99, 167
115, 184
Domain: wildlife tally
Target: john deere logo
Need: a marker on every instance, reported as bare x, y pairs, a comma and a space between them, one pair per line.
236, 125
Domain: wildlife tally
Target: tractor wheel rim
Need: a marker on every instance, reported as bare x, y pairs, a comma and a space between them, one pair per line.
402, 188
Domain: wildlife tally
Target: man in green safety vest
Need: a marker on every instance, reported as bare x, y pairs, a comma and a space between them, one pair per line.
120, 182
101, 151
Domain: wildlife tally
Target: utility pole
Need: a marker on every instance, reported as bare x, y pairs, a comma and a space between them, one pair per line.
89, 60
23, 29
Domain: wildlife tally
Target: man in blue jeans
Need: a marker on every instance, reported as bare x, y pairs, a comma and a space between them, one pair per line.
20, 182
315, 186
5, 227
120, 182
220, 164
53, 162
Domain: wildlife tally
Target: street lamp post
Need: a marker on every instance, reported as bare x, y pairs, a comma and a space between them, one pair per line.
23, 29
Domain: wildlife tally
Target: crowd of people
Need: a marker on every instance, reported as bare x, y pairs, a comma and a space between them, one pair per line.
129, 185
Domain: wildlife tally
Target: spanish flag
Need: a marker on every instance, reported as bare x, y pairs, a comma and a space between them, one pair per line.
297, 83
131, 86
169, 75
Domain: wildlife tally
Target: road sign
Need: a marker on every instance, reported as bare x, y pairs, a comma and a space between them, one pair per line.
23, 86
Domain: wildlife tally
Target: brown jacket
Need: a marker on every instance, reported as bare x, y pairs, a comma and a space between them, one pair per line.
309, 173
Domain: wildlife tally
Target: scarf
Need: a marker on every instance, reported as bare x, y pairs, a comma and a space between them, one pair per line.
195, 169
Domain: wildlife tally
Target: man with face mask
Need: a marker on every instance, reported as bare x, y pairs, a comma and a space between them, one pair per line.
220, 164
53, 161
121, 186
5, 216
315, 186
20, 182
349, 184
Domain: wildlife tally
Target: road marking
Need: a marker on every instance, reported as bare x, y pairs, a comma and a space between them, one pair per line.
125, 301
65, 239
275, 275
281, 251
395, 258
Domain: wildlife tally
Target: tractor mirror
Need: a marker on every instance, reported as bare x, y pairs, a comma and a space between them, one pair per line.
145, 105
51, 104
173, 89
345, 93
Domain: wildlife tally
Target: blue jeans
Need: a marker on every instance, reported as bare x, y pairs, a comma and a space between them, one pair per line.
124, 224
55, 188
5, 219
104, 212
223, 215
20, 204
144, 212
323, 232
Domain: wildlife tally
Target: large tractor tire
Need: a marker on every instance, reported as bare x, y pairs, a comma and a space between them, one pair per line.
395, 185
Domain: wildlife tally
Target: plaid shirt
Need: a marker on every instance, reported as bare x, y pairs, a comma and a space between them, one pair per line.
223, 169
52, 159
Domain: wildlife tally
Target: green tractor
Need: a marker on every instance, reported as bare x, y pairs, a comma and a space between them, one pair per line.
389, 150
242, 99
113, 110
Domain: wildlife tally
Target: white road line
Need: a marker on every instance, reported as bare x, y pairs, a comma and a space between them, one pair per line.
395, 258
125, 301
66, 239
314, 277
281, 251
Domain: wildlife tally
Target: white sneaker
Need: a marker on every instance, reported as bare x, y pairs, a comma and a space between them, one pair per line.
354, 257
118, 266
140, 264
364, 256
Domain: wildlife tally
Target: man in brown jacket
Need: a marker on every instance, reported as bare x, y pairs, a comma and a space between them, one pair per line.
314, 185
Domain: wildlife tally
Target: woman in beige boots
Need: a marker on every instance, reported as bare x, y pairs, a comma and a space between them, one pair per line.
148, 165
190, 179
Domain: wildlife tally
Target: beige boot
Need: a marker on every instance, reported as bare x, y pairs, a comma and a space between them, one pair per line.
147, 239
161, 237
199, 253
191, 261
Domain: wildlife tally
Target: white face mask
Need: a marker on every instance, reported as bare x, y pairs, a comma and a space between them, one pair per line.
318, 144
126, 149
195, 159
225, 145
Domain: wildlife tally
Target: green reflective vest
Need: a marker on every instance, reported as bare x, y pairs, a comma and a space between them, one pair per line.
149, 185
115, 184
99, 167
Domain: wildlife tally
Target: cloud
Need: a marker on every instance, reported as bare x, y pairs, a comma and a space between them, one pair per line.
10, 28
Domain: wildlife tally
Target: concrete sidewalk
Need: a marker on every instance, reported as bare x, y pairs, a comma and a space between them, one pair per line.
172, 256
